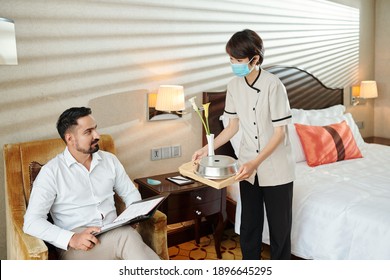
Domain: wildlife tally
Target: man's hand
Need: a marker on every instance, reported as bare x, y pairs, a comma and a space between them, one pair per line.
84, 240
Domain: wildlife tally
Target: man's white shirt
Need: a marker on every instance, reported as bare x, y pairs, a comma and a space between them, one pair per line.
76, 197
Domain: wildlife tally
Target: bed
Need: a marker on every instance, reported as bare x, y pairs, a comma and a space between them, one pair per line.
341, 210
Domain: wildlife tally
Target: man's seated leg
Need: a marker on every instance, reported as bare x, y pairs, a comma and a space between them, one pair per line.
123, 243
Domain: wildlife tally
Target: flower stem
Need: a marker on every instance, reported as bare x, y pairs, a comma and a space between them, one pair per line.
204, 124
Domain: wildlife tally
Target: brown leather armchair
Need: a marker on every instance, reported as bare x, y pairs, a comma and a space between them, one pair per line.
18, 177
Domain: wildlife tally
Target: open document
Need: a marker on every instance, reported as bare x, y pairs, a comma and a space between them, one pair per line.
136, 212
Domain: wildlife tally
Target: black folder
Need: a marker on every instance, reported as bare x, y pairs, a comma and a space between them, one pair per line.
136, 212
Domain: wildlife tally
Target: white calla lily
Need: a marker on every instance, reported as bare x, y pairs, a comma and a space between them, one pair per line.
192, 101
205, 109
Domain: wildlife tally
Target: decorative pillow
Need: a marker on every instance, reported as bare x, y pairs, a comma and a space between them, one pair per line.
338, 119
327, 144
34, 168
302, 116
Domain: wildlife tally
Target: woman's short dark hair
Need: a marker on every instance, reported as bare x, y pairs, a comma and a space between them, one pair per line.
246, 43
69, 118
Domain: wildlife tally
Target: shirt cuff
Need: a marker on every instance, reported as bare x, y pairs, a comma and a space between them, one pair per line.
230, 115
283, 121
63, 239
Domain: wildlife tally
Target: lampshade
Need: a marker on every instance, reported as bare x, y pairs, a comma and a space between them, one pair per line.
170, 98
7, 42
368, 89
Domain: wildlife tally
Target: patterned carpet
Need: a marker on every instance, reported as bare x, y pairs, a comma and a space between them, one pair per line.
205, 250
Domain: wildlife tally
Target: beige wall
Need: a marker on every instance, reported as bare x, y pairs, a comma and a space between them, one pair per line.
374, 64
108, 55
364, 112
382, 68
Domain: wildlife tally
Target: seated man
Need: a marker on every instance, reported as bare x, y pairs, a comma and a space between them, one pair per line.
77, 188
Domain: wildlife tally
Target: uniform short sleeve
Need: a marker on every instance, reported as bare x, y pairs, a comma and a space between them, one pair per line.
230, 108
279, 104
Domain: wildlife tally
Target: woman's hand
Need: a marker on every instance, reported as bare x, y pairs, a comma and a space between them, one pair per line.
84, 240
246, 170
200, 154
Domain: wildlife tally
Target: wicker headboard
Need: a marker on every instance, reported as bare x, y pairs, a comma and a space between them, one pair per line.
303, 89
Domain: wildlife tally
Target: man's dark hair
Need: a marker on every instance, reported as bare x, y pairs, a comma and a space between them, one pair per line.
69, 119
246, 44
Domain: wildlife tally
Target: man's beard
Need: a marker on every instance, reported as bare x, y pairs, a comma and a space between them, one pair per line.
90, 150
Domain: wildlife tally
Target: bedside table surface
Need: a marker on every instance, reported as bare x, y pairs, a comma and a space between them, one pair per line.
166, 185
377, 140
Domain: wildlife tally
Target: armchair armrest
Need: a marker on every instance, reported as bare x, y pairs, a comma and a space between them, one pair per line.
25, 247
19, 244
154, 234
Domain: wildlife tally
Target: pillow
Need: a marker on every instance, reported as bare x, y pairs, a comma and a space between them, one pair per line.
336, 110
298, 116
302, 116
327, 144
338, 119
33, 169
296, 145
355, 130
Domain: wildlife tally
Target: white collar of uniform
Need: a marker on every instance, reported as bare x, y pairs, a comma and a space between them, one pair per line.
69, 159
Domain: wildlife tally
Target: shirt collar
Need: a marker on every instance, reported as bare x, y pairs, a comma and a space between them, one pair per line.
70, 160
255, 81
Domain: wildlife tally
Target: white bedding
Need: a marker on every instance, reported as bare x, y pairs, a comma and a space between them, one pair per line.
341, 210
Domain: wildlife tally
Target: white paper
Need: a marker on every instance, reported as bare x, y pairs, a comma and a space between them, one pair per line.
179, 180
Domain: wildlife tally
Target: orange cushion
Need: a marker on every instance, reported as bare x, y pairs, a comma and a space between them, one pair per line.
327, 144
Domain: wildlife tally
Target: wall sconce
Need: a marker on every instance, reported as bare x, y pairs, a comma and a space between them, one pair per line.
167, 104
8, 55
366, 89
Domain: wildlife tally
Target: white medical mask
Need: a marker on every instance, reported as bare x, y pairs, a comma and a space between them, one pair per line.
241, 69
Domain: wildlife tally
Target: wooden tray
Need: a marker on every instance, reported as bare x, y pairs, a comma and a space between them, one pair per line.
188, 169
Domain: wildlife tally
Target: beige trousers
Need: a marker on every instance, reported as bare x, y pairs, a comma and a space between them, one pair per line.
123, 243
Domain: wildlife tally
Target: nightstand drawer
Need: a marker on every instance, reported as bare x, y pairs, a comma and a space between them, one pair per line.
191, 212
207, 209
194, 198
205, 195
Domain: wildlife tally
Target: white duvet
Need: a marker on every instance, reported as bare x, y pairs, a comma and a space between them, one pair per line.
340, 210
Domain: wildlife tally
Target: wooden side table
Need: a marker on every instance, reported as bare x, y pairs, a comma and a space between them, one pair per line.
378, 140
189, 202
